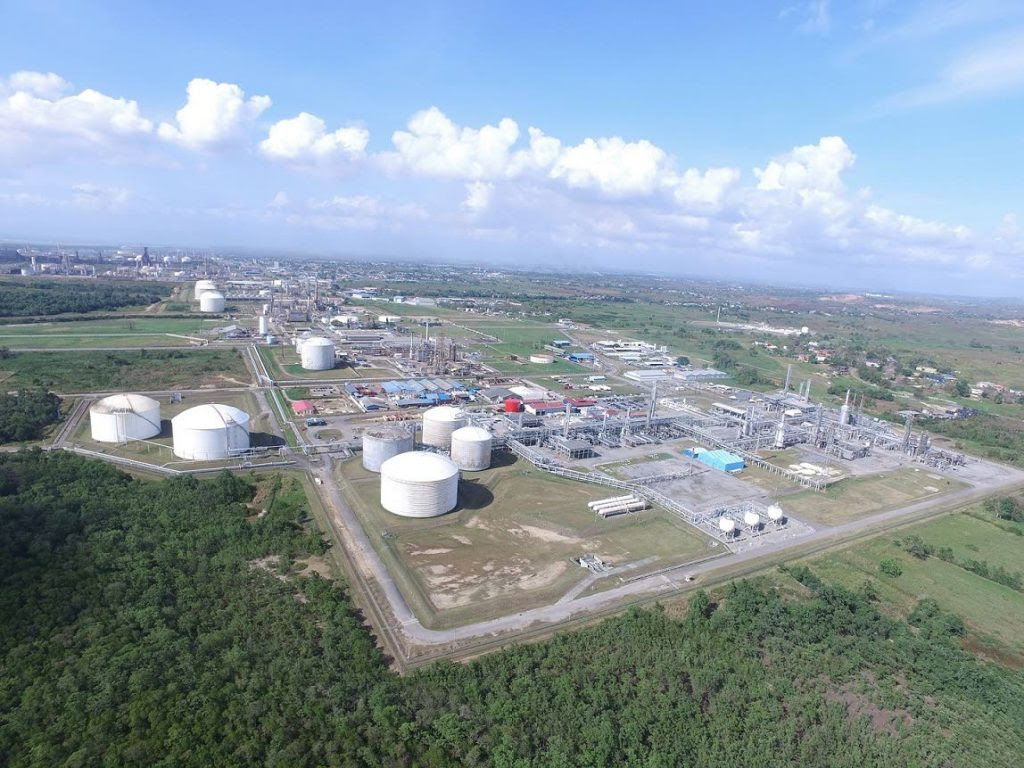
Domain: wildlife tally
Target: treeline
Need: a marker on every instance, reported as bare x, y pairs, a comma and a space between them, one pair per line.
26, 413
150, 623
995, 437
28, 298
920, 549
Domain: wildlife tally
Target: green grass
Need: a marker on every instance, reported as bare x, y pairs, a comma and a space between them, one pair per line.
857, 497
993, 613
508, 545
137, 331
141, 370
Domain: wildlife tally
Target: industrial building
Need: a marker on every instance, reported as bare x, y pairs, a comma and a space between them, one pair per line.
210, 432
718, 459
419, 484
120, 418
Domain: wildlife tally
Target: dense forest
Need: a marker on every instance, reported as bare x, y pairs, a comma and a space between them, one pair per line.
30, 298
167, 624
26, 413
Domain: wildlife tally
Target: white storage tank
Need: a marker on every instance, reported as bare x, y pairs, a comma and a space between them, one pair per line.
317, 354
211, 301
388, 319
202, 286
381, 443
471, 448
119, 418
439, 423
542, 359
419, 484
210, 432
264, 326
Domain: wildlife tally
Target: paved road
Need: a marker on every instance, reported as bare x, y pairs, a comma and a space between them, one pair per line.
368, 561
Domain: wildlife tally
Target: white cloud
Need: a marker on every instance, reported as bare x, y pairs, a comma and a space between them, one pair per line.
214, 114
995, 67
478, 195
708, 189
809, 168
93, 197
46, 85
304, 139
436, 146
36, 121
281, 200
613, 166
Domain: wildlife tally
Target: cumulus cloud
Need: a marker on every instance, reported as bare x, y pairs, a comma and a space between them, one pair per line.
93, 197
613, 166
214, 114
304, 139
436, 146
36, 119
478, 196
809, 168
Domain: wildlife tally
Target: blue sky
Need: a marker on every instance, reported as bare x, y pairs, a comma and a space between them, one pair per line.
864, 143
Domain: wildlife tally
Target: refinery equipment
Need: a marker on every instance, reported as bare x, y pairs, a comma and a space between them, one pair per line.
211, 301
419, 484
317, 354
210, 432
471, 448
264, 325
439, 423
120, 418
382, 443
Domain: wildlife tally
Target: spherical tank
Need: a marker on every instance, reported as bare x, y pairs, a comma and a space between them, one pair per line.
419, 484
211, 301
381, 443
119, 418
210, 432
471, 448
439, 423
317, 354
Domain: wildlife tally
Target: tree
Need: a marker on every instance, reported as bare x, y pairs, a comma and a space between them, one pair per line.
962, 388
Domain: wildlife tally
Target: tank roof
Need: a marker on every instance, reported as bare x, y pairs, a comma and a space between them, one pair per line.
471, 433
444, 413
126, 403
419, 466
210, 416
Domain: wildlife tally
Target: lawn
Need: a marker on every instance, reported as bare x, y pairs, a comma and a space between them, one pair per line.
127, 332
857, 497
509, 544
139, 370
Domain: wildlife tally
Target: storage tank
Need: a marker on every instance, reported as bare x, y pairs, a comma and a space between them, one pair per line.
419, 484
203, 286
439, 423
317, 354
381, 443
388, 319
513, 405
471, 448
210, 432
542, 359
264, 326
211, 301
119, 418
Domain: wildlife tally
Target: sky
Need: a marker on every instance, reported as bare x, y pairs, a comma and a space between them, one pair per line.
865, 144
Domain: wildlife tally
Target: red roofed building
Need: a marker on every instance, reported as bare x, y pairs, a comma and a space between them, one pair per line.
540, 407
303, 407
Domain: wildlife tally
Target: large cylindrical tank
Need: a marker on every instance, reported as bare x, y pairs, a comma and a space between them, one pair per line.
513, 405
202, 286
317, 354
119, 418
211, 301
439, 423
471, 448
381, 443
419, 484
542, 359
264, 325
210, 432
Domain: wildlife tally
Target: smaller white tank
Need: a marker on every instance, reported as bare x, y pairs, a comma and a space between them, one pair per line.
211, 301
439, 423
471, 448
381, 443
264, 325
203, 286
119, 418
317, 354
209, 432
751, 519
775, 512
542, 359
726, 525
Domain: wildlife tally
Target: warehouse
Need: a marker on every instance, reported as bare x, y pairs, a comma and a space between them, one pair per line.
719, 459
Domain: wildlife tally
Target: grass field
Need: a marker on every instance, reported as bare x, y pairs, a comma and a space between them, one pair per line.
141, 370
994, 613
128, 332
508, 545
857, 497
284, 363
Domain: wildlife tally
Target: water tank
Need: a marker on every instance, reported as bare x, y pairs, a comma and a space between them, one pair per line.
317, 354
381, 443
211, 301
419, 484
119, 418
210, 432
264, 325
471, 448
439, 423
